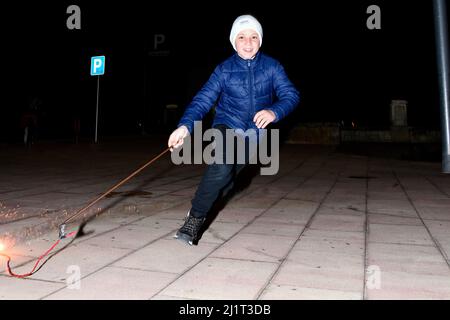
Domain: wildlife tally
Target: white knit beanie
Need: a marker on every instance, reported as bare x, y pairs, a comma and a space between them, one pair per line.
242, 23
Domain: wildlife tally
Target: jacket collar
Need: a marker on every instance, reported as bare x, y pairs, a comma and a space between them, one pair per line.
244, 62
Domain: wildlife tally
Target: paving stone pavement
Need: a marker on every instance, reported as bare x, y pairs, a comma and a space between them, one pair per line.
329, 225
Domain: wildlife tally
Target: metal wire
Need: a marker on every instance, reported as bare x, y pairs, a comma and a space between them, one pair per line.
117, 185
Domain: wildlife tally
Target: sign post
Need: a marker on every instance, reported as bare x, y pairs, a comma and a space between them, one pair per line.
97, 69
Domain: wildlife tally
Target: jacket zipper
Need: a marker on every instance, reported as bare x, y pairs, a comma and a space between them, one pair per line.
250, 74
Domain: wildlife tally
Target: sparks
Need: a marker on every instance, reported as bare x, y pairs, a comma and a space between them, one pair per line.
6, 242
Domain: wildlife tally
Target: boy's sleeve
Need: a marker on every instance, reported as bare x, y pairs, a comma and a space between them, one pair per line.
288, 96
202, 101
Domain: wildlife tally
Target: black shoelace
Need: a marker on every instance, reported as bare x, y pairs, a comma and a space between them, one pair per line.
192, 225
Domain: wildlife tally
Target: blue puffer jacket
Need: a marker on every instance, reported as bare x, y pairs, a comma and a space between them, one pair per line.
241, 88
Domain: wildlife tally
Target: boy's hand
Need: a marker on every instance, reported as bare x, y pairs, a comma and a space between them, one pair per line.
176, 138
263, 118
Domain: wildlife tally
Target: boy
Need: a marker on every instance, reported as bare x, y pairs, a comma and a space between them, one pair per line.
244, 86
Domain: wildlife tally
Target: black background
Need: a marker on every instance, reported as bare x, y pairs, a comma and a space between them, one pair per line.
343, 70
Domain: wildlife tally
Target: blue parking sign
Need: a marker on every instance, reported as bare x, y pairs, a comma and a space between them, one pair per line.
97, 65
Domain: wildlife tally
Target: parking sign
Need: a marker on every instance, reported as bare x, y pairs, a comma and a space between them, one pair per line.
97, 65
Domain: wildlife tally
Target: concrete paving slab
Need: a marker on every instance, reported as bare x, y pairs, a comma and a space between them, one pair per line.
379, 196
410, 286
315, 254
437, 203
390, 188
375, 218
431, 194
271, 191
23, 193
175, 214
287, 181
126, 214
189, 192
219, 232
165, 297
93, 228
324, 270
277, 229
289, 211
286, 292
292, 206
329, 244
434, 213
24, 289
292, 219
307, 194
165, 202
131, 236
413, 182
440, 233
401, 234
158, 221
338, 223
222, 279
393, 207
413, 259
255, 247
87, 257
20, 224
241, 215
49, 198
349, 209
112, 283
257, 203
342, 200
166, 255
339, 235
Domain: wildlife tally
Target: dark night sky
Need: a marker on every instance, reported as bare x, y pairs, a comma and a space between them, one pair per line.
343, 70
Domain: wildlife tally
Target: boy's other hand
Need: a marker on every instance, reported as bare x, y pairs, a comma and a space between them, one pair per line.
263, 118
176, 138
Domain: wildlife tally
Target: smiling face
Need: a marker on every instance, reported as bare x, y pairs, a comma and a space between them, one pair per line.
247, 43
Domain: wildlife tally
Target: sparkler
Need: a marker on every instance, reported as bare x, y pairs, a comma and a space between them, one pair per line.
6, 242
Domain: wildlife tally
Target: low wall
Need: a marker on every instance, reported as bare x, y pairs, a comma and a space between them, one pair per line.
332, 134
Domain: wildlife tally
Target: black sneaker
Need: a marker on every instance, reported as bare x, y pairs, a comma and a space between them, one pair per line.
189, 231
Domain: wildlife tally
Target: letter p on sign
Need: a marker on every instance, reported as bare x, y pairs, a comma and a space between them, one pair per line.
97, 65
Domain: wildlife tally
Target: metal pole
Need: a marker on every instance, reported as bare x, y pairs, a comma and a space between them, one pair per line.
96, 110
440, 24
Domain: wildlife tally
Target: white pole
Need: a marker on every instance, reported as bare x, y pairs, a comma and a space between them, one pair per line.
440, 22
96, 110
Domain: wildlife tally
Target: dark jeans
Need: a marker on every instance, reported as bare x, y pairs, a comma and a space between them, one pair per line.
218, 180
